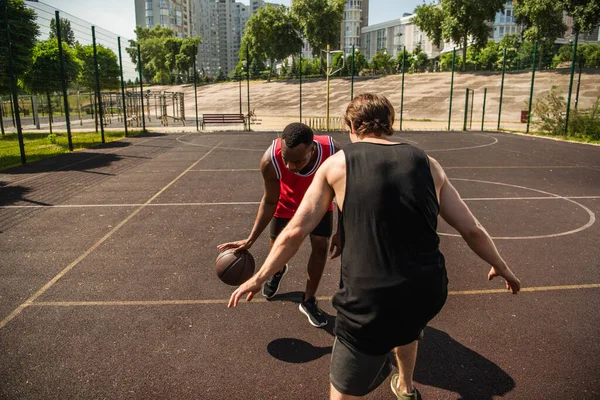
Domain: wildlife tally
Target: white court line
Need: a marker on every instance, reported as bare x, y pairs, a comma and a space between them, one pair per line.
257, 300
47, 286
590, 222
253, 203
466, 148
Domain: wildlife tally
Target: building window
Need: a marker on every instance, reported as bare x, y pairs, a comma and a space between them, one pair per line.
149, 5
149, 22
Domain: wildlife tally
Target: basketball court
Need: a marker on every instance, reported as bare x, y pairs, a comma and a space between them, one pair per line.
108, 289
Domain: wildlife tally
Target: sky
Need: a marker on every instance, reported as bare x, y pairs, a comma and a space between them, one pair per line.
118, 16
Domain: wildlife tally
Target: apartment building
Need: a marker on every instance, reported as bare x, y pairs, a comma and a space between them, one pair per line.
356, 17
174, 14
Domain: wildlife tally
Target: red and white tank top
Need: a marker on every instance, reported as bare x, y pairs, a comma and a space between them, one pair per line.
293, 186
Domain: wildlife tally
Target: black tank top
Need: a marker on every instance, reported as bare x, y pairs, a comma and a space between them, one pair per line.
389, 239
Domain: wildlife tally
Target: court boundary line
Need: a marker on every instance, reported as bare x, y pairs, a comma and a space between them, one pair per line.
73, 264
262, 300
246, 203
591, 221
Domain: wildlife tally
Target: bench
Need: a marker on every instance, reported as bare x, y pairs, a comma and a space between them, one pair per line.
223, 119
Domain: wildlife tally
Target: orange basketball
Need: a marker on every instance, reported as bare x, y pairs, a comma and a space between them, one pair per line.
235, 269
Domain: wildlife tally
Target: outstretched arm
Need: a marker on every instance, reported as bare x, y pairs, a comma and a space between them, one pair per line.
312, 209
456, 213
267, 207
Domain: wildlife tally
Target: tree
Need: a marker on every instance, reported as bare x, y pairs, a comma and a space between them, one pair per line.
488, 57
458, 21
43, 75
66, 32
159, 48
272, 34
585, 13
108, 67
320, 21
184, 61
381, 61
220, 76
419, 59
542, 19
23, 31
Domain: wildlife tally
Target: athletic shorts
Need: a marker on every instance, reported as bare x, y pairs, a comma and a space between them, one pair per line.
355, 373
324, 229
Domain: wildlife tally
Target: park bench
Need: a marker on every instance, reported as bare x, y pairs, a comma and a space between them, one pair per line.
223, 119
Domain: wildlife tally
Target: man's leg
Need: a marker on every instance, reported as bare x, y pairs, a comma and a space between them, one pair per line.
271, 287
336, 395
406, 357
316, 264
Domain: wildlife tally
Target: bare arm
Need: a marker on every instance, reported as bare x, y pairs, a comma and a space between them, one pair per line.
314, 205
456, 213
266, 209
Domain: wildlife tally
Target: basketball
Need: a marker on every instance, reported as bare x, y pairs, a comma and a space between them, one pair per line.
235, 269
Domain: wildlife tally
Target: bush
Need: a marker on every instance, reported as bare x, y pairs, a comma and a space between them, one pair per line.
586, 123
52, 138
550, 112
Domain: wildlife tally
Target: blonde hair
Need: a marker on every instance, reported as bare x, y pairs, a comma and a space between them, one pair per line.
370, 114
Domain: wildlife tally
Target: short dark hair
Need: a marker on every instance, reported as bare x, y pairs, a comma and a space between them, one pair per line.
370, 114
297, 133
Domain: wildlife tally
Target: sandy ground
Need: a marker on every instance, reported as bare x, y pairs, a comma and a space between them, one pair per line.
425, 107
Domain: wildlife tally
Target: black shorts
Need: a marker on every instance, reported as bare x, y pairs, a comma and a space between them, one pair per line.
355, 373
324, 229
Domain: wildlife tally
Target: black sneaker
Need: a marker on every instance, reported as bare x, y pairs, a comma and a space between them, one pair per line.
271, 288
314, 314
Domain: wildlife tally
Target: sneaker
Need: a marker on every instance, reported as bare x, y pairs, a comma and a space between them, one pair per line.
271, 288
415, 395
314, 314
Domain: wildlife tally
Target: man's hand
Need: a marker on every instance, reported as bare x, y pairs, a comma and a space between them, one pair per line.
512, 282
250, 287
236, 246
335, 249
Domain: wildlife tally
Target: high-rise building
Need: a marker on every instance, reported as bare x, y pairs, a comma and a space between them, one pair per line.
174, 14
356, 17
220, 24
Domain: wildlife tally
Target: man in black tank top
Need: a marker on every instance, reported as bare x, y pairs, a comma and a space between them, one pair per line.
393, 278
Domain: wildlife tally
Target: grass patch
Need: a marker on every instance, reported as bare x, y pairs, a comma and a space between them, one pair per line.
39, 146
561, 137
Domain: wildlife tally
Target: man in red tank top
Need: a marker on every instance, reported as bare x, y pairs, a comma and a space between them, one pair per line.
288, 167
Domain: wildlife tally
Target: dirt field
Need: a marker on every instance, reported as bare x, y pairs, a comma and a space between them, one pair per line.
426, 95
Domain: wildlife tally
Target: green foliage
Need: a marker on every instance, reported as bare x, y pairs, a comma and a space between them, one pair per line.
320, 21
550, 112
585, 13
586, 123
272, 33
458, 21
221, 77
108, 67
43, 75
488, 56
161, 53
542, 19
381, 62
52, 138
418, 60
23, 33
66, 32
184, 60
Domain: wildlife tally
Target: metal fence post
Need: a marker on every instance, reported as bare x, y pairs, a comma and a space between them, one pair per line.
196, 94
466, 109
248, 82
141, 87
352, 73
451, 88
98, 93
122, 88
63, 79
13, 85
501, 88
483, 114
300, 74
532, 83
402, 96
571, 84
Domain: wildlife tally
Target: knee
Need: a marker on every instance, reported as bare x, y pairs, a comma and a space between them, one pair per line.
319, 246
